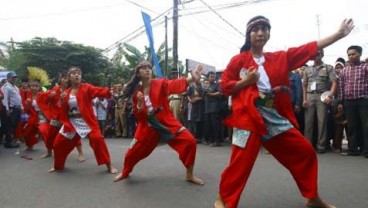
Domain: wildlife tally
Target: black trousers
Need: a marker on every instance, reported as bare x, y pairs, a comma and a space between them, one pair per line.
213, 127
10, 123
356, 112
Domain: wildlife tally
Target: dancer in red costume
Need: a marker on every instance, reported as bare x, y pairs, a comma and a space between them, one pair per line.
262, 113
49, 103
79, 121
37, 123
156, 121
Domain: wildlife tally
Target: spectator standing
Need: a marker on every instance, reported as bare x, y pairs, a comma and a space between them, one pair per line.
212, 111
120, 118
175, 99
195, 97
101, 111
130, 118
338, 117
318, 79
12, 102
109, 128
296, 93
353, 101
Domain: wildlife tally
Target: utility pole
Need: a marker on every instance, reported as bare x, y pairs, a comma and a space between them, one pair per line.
175, 35
318, 24
166, 50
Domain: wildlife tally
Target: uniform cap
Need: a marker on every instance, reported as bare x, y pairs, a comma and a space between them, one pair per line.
11, 74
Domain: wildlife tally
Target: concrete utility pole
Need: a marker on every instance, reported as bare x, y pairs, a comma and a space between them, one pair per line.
318, 26
175, 35
166, 50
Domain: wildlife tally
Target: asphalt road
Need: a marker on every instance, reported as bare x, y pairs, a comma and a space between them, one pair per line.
158, 181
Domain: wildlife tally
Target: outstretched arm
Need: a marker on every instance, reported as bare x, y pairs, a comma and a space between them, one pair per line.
345, 28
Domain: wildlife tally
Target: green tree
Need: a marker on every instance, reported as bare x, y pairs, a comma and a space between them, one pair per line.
127, 57
55, 56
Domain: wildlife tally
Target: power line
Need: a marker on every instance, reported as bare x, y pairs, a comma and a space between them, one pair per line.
61, 13
140, 6
222, 18
139, 31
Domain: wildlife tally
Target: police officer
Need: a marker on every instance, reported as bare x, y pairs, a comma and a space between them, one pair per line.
175, 100
13, 105
318, 79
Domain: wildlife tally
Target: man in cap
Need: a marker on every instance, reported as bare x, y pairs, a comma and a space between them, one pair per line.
175, 99
13, 105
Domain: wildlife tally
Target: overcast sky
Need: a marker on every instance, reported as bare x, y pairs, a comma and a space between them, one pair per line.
210, 31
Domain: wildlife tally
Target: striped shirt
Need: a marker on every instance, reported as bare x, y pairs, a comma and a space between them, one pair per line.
353, 83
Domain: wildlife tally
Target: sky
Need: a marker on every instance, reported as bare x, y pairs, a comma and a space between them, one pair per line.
210, 31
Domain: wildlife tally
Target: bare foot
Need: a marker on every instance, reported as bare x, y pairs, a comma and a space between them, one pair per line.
112, 170
81, 158
27, 149
52, 170
318, 203
46, 155
219, 203
195, 180
119, 177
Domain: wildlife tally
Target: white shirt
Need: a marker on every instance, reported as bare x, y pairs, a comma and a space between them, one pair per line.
263, 82
11, 96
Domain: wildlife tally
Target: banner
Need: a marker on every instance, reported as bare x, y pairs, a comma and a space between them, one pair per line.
147, 24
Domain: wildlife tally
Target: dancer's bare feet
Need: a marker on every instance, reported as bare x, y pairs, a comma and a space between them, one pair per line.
46, 155
81, 158
52, 170
195, 180
111, 169
27, 149
318, 203
119, 177
219, 203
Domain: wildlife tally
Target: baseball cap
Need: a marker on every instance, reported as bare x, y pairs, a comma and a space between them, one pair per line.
11, 74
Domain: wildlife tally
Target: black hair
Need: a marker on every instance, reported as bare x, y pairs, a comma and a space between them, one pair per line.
341, 60
246, 46
133, 83
357, 48
210, 73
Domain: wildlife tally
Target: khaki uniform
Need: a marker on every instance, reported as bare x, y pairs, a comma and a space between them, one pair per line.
175, 104
318, 80
120, 118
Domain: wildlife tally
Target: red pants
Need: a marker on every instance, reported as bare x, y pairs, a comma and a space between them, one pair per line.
30, 133
63, 146
290, 148
184, 143
19, 130
52, 132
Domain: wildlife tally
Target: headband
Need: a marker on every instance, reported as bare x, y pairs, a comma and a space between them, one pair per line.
255, 22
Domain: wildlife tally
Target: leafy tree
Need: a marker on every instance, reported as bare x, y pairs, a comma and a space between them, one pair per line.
127, 57
55, 56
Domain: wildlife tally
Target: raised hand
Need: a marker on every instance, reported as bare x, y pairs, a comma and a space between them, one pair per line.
196, 74
346, 27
